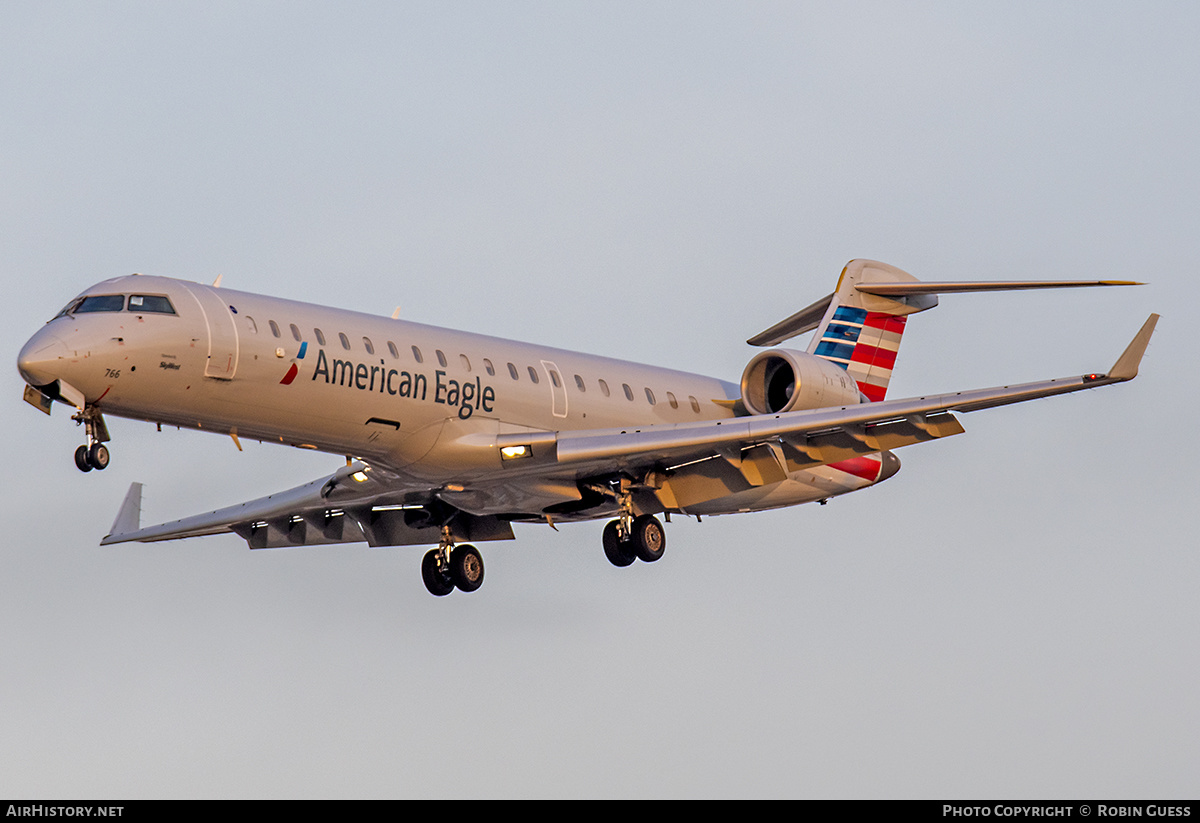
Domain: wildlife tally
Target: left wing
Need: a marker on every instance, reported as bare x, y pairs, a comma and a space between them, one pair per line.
356, 503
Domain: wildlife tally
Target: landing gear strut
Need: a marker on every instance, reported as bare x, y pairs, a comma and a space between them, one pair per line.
449, 567
93, 454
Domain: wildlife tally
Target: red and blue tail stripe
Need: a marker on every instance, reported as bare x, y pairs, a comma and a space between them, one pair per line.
864, 343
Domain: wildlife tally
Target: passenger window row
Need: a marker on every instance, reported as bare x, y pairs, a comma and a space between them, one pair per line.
465, 362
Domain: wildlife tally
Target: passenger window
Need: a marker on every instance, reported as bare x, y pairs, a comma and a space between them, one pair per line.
465, 362
274, 327
512, 370
603, 388
150, 303
251, 324
628, 391
695, 404
345, 340
650, 396
417, 355
532, 374
671, 399
554, 378
368, 345
579, 383
394, 351
487, 366
295, 332
101, 302
320, 336
441, 358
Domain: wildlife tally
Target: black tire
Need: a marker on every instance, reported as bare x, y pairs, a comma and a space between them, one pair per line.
619, 552
81, 459
649, 539
437, 581
466, 568
97, 456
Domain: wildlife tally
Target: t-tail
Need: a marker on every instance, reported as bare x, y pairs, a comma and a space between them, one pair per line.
861, 331
860, 325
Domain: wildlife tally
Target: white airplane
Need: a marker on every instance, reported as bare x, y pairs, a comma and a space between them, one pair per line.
451, 436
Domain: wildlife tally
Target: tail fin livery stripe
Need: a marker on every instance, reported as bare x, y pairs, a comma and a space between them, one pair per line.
873, 393
841, 335
865, 345
874, 356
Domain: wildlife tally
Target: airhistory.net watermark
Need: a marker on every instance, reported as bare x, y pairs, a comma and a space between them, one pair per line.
45, 810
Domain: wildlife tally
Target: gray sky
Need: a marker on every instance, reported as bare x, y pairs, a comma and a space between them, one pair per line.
1013, 615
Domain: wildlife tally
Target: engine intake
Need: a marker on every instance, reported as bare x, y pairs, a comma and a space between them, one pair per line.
782, 380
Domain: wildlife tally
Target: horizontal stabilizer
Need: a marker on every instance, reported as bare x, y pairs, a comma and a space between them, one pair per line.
863, 281
800, 322
959, 286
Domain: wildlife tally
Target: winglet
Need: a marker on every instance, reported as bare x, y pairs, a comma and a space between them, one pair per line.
129, 518
1126, 367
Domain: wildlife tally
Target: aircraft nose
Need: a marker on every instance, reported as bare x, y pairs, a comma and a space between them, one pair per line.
40, 358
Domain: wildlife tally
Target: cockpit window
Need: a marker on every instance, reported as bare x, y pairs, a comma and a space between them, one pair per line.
150, 303
100, 302
67, 309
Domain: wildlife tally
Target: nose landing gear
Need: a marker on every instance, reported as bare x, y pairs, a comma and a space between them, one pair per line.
93, 454
91, 457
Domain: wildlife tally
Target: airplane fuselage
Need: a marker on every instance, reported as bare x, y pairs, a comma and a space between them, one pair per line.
427, 401
363, 385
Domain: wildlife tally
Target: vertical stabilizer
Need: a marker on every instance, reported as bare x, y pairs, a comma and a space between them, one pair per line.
861, 332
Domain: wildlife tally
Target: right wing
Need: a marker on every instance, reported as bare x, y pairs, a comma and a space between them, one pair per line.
802, 431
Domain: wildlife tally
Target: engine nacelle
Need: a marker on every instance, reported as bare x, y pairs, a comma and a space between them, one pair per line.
782, 380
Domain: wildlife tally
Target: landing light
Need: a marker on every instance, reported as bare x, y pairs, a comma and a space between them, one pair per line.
359, 477
515, 452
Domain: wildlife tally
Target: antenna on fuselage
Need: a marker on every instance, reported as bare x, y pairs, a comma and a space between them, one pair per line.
217, 283
396, 314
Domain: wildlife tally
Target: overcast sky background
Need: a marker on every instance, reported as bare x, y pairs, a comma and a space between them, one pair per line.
1013, 615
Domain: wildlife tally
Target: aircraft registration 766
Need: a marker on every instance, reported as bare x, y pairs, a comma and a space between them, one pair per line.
452, 437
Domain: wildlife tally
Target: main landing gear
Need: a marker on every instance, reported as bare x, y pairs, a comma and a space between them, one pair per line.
93, 454
634, 538
450, 567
